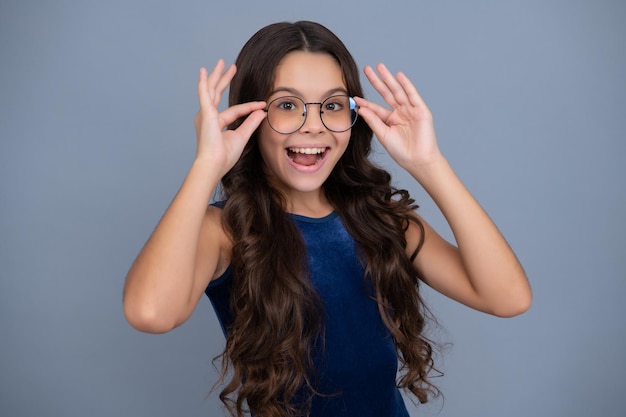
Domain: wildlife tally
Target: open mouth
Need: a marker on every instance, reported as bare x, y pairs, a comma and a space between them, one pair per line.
306, 156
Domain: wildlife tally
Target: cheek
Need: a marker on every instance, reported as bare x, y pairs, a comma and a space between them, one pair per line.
344, 140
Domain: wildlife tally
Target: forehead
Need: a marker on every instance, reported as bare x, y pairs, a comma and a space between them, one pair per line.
311, 74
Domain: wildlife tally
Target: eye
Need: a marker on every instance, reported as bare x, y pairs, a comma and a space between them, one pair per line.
334, 104
287, 104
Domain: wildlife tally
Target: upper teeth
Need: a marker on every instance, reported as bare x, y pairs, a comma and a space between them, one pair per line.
307, 150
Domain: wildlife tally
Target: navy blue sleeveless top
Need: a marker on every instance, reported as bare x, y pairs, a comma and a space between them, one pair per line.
358, 365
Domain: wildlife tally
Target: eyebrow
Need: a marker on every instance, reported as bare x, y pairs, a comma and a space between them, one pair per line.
297, 93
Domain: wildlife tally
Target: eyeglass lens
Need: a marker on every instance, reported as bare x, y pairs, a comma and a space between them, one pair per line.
288, 114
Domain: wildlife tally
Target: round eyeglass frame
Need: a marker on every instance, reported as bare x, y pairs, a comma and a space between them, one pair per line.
353, 106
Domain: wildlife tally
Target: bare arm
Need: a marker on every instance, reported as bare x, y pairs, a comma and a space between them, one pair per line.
166, 279
482, 272
188, 247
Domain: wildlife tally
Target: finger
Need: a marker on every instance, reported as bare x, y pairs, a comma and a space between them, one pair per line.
207, 82
223, 83
251, 123
380, 111
378, 126
212, 85
235, 112
411, 92
215, 74
203, 95
218, 80
380, 86
226, 78
392, 84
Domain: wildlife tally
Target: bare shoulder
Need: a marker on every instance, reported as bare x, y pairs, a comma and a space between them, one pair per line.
214, 242
214, 215
415, 233
438, 264
435, 253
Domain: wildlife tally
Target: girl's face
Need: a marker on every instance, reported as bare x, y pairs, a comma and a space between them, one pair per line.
301, 161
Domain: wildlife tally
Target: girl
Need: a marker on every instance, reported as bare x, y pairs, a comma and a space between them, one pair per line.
312, 259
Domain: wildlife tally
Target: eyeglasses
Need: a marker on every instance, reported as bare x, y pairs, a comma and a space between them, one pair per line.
287, 114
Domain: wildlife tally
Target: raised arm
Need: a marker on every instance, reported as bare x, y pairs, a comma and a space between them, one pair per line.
482, 272
188, 247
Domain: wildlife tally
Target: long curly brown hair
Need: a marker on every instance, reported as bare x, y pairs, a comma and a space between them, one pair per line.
277, 313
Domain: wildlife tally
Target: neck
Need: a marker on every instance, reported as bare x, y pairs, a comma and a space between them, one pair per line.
310, 204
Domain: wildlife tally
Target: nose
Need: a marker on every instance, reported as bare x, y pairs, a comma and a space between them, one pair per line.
313, 120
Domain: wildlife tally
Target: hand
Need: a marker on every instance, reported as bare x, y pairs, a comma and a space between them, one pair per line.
223, 147
406, 131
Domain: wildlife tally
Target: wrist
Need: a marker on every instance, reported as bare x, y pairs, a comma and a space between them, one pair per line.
428, 171
204, 173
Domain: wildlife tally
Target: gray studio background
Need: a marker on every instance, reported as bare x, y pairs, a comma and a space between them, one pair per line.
97, 101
